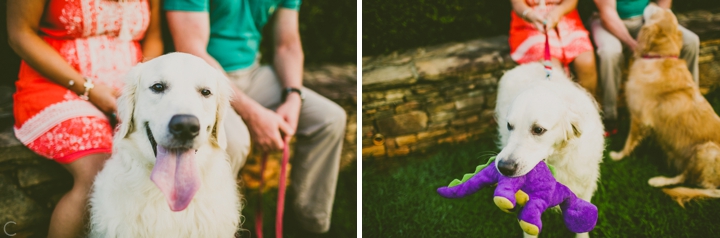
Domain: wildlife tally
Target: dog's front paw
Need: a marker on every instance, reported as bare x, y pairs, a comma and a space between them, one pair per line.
614, 155
661, 181
657, 181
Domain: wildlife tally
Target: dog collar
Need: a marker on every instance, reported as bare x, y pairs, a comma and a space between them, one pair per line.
658, 56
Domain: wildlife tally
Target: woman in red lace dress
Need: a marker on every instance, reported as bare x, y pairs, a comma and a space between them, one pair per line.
569, 40
75, 53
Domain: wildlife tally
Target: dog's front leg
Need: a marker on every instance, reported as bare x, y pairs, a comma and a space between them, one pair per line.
662, 181
637, 133
526, 235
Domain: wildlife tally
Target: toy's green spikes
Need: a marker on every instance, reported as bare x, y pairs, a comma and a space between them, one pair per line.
552, 169
455, 182
465, 178
468, 176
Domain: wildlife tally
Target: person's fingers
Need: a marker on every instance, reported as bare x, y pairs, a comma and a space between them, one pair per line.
286, 128
266, 145
277, 141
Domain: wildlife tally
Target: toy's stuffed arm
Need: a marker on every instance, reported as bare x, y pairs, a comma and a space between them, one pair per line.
506, 194
487, 176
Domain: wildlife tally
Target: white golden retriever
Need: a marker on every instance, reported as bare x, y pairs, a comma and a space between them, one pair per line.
553, 120
169, 175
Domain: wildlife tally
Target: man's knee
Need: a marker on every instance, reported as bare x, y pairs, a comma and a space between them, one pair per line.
337, 118
609, 55
690, 39
691, 43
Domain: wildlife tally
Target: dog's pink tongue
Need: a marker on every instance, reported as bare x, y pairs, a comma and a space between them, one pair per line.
176, 175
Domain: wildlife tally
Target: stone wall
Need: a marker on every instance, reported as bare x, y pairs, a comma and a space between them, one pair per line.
30, 185
424, 97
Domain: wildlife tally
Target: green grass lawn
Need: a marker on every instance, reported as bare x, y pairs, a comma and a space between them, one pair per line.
344, 214
399, 197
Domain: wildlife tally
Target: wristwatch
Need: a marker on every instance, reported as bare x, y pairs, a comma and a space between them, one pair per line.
287, 91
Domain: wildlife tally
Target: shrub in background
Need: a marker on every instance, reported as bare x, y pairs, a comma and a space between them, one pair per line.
400, 25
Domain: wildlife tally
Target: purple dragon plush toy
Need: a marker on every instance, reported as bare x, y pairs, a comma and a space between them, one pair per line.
536, 191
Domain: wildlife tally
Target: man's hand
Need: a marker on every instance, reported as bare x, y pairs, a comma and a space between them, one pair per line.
290, 112
632, 44
612, 23
265, 127
104, 98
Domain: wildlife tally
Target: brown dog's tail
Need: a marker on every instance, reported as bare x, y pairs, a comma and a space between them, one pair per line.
683, 194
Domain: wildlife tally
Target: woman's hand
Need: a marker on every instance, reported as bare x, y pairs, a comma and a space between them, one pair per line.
552, 19
536, 20
104, 98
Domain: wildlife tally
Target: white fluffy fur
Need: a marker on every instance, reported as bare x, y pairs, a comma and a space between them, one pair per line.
573, 142
124, 201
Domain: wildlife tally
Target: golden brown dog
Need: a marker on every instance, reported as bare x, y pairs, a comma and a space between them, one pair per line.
665, 103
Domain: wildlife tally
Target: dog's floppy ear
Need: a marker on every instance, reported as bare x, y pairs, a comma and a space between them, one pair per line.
224, 95
571, 125
126, 103
645, 38
662, 37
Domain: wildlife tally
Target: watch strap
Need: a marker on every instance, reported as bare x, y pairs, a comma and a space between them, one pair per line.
287, 91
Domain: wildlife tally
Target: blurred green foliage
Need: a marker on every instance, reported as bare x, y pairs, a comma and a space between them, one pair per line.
395, 25
328, 30
399, 25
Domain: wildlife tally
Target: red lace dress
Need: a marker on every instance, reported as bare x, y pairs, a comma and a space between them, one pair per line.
99, 38
567, 40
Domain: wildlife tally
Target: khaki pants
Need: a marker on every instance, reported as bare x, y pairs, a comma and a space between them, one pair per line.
611, 58
319, 139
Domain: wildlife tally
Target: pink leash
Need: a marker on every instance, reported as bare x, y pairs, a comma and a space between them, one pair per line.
547, 62
281, 194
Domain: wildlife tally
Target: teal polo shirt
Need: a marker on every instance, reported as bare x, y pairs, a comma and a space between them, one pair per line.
630, 8
235, 26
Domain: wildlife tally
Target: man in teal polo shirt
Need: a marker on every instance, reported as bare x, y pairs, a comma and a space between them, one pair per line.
270, 99
616, 25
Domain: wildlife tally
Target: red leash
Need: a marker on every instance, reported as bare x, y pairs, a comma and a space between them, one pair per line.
281, 194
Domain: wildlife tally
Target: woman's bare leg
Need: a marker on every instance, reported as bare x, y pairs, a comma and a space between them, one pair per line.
68, 219
586, 71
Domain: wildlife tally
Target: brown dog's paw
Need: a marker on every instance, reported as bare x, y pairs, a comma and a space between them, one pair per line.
662, 181
614, 155
658, 181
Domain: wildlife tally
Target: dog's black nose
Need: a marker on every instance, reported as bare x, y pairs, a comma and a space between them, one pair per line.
184, 126
506, 167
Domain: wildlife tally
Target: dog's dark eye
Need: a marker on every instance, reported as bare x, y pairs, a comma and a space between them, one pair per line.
538, 130
158, 87
205, 92
510, 127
